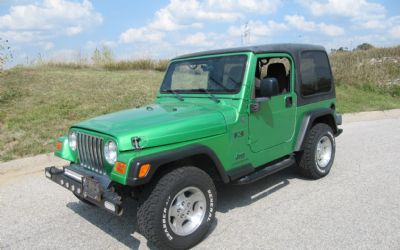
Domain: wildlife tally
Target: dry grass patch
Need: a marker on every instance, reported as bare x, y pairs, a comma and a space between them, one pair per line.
39, 104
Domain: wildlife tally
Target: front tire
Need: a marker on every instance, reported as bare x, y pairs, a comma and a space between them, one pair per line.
316, 159
179, 210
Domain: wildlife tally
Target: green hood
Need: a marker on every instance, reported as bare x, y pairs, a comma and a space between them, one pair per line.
158, 124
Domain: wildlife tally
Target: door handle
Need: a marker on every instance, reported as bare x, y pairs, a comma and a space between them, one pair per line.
288, 101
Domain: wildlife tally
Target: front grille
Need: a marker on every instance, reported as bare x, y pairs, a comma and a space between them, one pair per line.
90, 151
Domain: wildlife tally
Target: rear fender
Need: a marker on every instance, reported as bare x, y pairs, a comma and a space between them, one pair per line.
325, 115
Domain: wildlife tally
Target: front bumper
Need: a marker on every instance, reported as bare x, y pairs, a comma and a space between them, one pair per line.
87, 185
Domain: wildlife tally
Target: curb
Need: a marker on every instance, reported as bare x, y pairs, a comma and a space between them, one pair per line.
371, 116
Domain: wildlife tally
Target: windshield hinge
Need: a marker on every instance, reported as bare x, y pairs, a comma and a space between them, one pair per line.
135, 143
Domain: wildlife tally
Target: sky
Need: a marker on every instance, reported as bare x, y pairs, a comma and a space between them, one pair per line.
69, 30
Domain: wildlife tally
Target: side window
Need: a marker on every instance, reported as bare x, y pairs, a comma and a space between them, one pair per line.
277, 67
315, 73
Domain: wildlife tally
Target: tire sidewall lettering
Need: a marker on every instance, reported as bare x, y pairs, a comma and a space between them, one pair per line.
164, 220
211, 206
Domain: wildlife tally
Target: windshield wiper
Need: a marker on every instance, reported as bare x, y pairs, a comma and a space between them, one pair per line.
178, 96
212, 96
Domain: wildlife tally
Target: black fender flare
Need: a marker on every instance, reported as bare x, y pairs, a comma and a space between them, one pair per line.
159, 159
309, 119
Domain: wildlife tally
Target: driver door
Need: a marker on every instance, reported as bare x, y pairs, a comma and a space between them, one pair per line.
274, 123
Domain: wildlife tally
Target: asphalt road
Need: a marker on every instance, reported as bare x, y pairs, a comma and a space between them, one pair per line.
356, 207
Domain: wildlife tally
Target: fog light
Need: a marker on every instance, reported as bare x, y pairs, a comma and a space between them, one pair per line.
62, 182
73, 188
67, 185
78, 190
109, 206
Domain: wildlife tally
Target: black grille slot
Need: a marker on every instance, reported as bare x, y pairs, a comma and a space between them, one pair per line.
90, 151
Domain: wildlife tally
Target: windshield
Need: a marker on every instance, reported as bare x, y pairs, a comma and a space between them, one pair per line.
222, 74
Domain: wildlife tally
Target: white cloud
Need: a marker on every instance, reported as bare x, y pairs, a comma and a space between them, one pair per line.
357, 9
300, 23
191, 14
74, 30
257, 28
56, 17
165, 20
20, 36
46, 45
361, 12
381, 23
331, 30
143, 34
180, 14
395, 31
199, 39
255, 6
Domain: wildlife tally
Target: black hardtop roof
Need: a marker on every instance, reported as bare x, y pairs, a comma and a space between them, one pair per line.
291, 48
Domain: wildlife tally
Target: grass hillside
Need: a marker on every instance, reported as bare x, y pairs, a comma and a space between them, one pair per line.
367, 79
38, 104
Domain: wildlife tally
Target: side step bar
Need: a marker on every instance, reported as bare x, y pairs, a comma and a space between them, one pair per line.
255, 176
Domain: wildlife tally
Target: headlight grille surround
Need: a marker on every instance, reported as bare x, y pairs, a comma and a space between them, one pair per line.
90, 152
72, 140
110, 152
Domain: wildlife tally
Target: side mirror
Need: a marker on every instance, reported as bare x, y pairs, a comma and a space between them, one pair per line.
269, 87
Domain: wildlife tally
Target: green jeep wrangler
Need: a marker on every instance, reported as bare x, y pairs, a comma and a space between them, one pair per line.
223, 116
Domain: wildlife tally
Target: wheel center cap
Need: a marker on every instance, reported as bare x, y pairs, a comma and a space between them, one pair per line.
185, 209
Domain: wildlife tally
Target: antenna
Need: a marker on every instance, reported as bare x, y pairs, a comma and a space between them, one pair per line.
246, 34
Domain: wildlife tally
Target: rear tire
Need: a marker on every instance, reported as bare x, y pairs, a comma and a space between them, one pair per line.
179, 210
316, 159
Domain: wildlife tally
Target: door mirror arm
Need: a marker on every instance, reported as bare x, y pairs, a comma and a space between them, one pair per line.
255, 104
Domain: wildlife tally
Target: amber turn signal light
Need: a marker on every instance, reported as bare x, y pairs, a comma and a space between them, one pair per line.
59, 145
120, 167
144, 170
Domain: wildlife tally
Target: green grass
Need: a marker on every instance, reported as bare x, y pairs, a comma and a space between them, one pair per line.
355, 99
38, 104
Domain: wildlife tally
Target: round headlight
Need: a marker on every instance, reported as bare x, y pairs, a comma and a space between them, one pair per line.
72, 140
110, 152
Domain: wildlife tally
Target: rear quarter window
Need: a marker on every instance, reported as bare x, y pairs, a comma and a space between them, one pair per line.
316, 76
